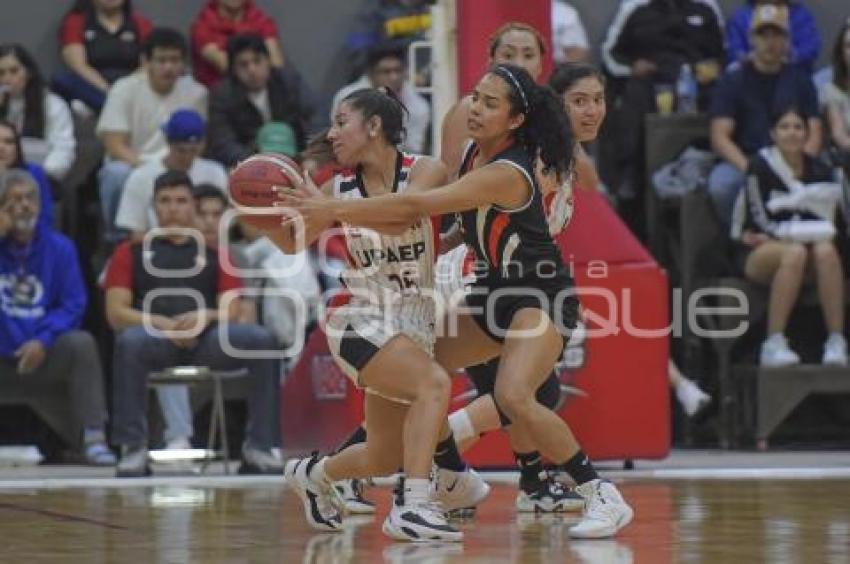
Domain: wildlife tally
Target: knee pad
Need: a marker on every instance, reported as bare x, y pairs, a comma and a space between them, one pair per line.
549, 393
483, 376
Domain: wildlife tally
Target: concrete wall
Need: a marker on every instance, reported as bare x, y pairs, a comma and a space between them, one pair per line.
313, 31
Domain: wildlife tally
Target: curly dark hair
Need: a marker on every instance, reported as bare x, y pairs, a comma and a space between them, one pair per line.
546, 132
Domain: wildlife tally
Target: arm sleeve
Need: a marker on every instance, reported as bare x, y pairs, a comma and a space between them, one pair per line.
202, 35
59, 133
616, 41
808, 96
224, 146
119, 273
116, 111
45, 193
267, 28
805, 40
143, 25
72, 30
737, 41
66, 309
135, 201
723, 100
714, 47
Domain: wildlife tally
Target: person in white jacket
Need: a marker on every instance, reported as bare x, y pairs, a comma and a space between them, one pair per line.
41, 117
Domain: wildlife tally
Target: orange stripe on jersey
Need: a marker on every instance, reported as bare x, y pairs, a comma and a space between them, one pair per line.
436, 223
500, 222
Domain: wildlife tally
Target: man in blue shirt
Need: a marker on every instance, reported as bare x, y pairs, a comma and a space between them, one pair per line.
42, 300
746, 100
805, 39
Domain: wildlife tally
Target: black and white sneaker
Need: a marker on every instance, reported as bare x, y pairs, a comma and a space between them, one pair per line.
547, 496
316, 496
418, 522
351, 494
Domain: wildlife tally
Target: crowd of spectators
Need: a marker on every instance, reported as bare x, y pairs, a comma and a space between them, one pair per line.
169, 135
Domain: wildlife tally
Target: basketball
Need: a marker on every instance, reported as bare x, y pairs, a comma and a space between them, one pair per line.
251, 184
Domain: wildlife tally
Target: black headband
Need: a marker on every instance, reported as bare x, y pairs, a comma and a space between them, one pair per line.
505, 71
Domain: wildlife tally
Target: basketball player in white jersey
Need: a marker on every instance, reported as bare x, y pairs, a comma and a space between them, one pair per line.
383, 338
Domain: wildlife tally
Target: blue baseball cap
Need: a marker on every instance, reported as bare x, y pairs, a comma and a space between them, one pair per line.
185, 126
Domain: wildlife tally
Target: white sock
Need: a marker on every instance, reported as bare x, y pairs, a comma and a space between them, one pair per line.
778, 338
416, 490
832, 337
461, 426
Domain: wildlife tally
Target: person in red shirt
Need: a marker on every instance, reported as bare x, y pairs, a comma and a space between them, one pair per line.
100, 42
165, 301
220, 20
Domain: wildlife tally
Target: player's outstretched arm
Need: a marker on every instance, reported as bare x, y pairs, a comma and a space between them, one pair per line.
499, 184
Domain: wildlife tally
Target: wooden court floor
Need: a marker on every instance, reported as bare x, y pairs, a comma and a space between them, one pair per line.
790, 521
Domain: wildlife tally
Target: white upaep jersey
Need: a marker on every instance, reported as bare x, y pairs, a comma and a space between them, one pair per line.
387, 267
391, 281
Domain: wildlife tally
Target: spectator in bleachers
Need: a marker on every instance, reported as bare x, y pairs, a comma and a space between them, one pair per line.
11, 158
745, 99
184, 132
101, 42
217, 22
569, 39
784, 222
42, 299
42, 118
211, 204
804, 41
837, 96
646, 47
382, 22
254, 94
174, 330
386, 66
135, 109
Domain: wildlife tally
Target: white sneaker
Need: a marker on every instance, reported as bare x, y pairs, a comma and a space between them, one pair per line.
606, 511
775, 352
316, 496
351, 493
691, 397
459, 490
835, 350
418, 522
547, 496
178, 443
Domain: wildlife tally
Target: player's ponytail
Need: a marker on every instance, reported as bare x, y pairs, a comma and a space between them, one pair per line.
384, 103
546, 130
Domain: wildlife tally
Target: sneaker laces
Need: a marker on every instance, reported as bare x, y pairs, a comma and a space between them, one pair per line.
432, 511
600, 508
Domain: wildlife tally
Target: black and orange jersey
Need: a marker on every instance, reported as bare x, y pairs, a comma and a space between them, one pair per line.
513, 246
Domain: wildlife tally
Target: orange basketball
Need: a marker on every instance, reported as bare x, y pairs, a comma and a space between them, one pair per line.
251, 184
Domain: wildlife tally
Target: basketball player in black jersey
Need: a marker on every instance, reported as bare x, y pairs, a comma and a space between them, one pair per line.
521, 306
